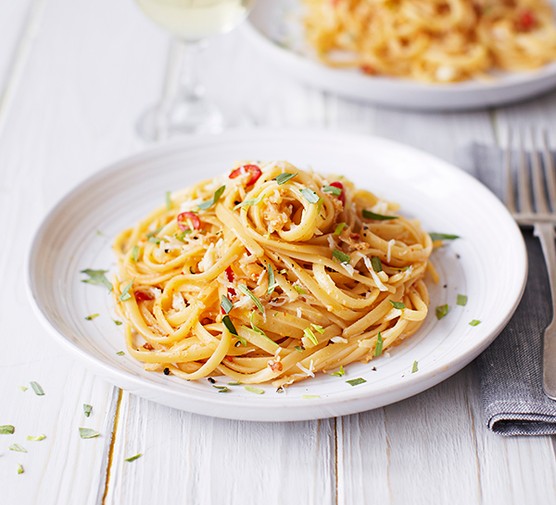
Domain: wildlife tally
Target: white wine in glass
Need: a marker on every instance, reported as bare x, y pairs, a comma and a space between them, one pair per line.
183, 107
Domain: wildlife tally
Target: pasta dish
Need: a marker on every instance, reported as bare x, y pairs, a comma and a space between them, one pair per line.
436, 41
269, 273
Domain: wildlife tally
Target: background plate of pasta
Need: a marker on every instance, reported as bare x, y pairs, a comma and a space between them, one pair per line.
424, 54
277, 275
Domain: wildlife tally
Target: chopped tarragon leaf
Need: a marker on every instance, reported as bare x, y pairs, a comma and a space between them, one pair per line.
250, 202
226, 304
299, 289
253, 389
88, 433
135, 253
299, 348
310, 195
308, 332
462, 300
474, 322
90, 317
341, 256
209, 203
339, 229
333, 190
356, 382
228, 324
367, 214
283, 178
97, 277
17, 448
37, 388
340, 372
125, 293
271, 280
117, 322
255, 328
7, 429
415, 367
221, 389
20, 469
35, 438
441, 311
23, 388
154, 232
155, 240
133, 458
246, 291
443, 236
234, 383
120, 353
378, 346
376, 264
397, 305
168, 197
310, 397
87, 409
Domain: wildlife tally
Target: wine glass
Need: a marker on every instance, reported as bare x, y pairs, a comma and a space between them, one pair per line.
183, 107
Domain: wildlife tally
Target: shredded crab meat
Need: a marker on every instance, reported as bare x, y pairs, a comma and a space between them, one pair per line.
307, 371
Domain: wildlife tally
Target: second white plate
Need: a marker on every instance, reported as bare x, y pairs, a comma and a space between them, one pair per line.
275, 29
488, 265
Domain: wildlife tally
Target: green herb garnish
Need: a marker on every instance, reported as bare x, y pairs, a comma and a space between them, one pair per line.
284, 177
20, 469
133, 458
339, 229
299, 289
7, 429
221, 389
234, 383
415, 367
271, 280
299, 348
17, 448
246, 291
88, 433
341, 256
135, 253
474, 322
253, 389
90, 317
209, 203
333, 190
117, 322
461, 300
120, 353
317, 327
367, 214
155, 240
356, 382
23, 388
226, 304
443, 236
310, 195
97, 277
36, 438
87, 409
250, 202
125, 293
37, 388
376, 264
229, 325
397, 305
441, 311
378, 346
340, 372
310, 397
308, 332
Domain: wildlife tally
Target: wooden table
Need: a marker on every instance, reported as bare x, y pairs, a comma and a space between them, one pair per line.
74, 75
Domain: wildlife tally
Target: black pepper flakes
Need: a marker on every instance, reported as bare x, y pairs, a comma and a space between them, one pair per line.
211, 380
166, 371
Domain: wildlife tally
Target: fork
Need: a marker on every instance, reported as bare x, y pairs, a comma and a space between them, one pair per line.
533, 208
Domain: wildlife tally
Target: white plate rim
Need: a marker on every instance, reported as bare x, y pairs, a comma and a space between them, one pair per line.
254, 410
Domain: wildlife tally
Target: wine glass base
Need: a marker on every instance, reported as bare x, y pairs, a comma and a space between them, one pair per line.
188, 117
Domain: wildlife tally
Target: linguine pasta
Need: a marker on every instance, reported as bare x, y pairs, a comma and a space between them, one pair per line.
269, 274
435, 41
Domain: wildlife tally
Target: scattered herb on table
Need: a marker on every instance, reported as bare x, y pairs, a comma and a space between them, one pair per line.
415, 367
86, 433
39, 391
441, 311
461, 300
474, 322
20, 469
87, 409
340, 372
90, 317
356, 382
97, 278
134, 457
7, 429
253, 389
36, 438
17, 448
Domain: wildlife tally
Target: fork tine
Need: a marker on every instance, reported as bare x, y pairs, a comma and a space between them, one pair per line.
524, 187
538, 185
509, 195
549, 170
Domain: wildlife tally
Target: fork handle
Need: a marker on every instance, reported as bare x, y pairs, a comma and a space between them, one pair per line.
545, 233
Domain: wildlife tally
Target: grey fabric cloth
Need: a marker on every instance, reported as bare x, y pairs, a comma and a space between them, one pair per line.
510, 369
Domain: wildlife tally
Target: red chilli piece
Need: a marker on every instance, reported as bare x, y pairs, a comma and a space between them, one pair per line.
188, 219
230, 276
526, 21
368, 69
141, 296
341, 196
254, 171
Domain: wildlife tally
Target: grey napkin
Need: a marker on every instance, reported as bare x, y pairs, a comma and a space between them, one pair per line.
510, 369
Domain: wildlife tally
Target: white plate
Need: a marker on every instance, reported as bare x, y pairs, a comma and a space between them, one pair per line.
488, 264
275, 29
